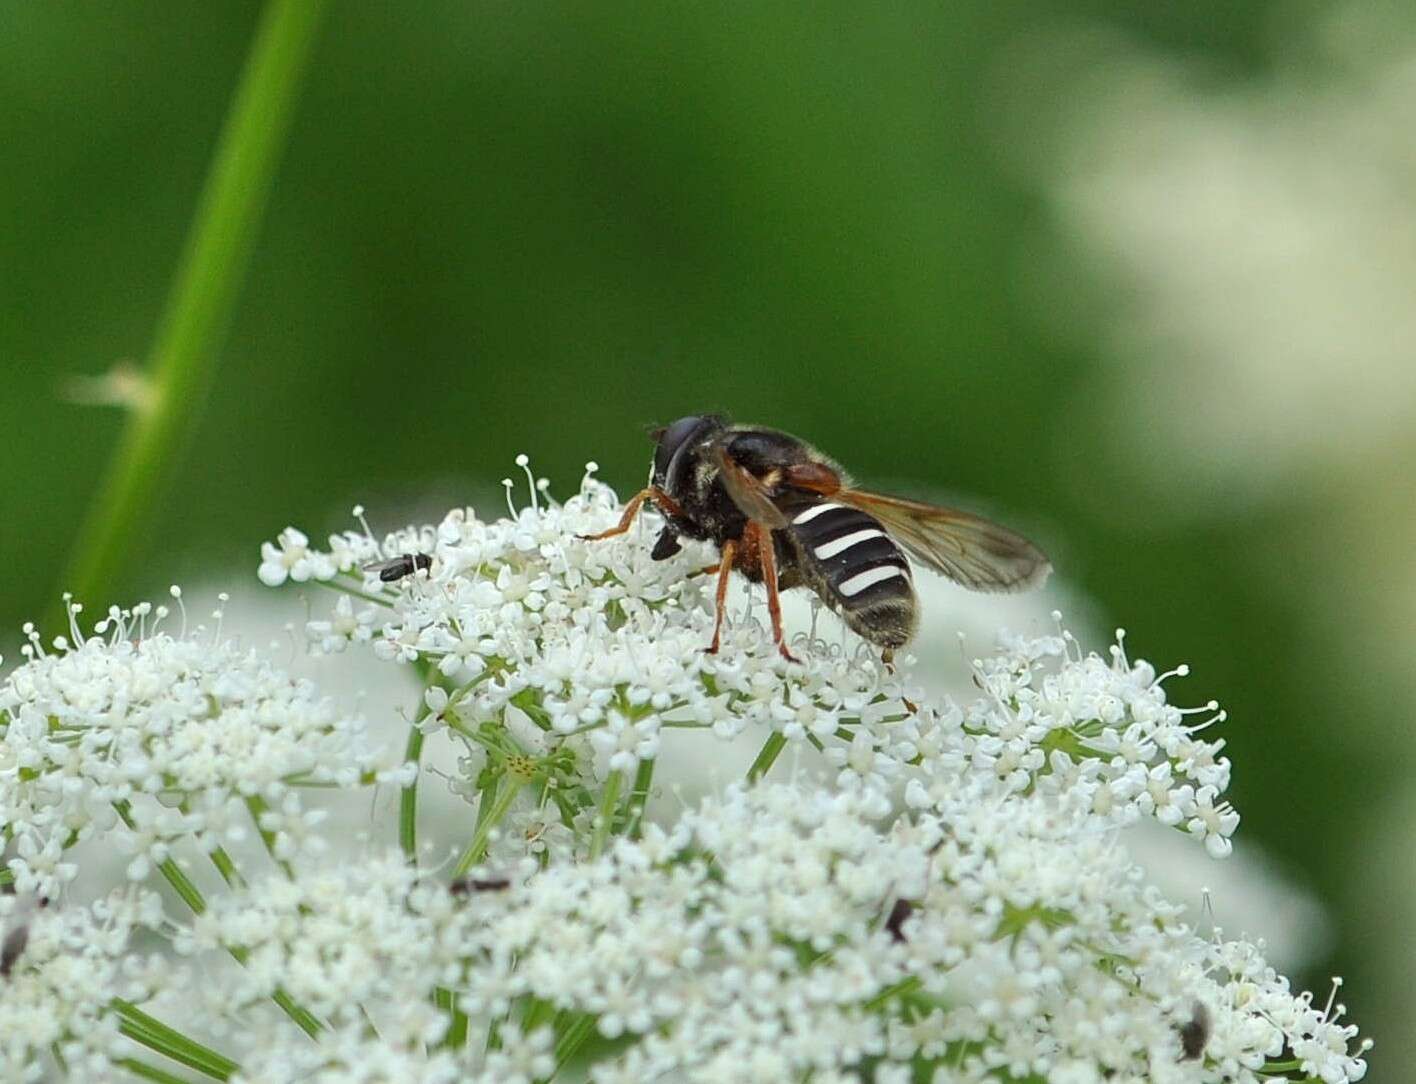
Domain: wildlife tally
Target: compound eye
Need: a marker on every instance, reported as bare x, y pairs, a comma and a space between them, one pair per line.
671, 440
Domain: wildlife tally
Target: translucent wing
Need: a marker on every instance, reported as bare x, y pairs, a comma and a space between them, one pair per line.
748, 492
970, 550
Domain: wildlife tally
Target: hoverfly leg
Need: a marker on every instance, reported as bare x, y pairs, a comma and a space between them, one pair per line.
725, 566
757, 535
626, 521
706, 570
653, 493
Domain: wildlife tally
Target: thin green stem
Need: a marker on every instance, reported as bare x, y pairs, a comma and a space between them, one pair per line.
227, 868
605, 815
638, 797
486, 791
571, 1039
202, 297
483, 835
901, 988
456, 1036
538, 1011
408, 800
149, 1072
182, 885
192, 897
257, 807
306, 1020
343, 586
774, 744
169, 1042
180, 882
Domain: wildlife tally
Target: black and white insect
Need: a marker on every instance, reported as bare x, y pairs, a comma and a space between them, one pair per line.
404, 564
783, 514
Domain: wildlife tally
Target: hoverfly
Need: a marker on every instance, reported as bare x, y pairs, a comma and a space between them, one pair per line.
405, 564
783, 514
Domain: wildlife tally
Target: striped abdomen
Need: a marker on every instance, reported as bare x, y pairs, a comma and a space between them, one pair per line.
845, 556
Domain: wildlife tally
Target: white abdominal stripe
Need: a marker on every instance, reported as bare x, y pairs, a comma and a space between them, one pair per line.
853, 552
869, 578
829, 549
814, 511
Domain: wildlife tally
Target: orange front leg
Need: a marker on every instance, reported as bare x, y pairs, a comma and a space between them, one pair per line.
653, 493
760, 537
725, 566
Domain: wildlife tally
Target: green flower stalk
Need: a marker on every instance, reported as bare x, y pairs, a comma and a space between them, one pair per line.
203, 296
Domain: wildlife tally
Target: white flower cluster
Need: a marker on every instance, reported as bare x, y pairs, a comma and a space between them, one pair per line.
779, 932
159, 738
1098, 729
353, 1054
951, 903
529, 622
341, 941
64, 966
354, 944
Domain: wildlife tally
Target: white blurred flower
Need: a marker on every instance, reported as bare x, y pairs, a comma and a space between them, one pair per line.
1249, 238
1251, 243
291, 558
64, 966
343, 626
166, 730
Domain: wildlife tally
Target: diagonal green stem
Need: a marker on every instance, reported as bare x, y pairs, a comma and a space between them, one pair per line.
157, 1036
149, 1072
256, 806
227, 868
456, 1037
193, 898
572, 1039
408, 800
170, 870
605, 816
478, 847
639, 797
203, 295
904, 986
767, 757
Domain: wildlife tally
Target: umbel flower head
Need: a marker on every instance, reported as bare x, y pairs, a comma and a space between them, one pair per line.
781, 931
586, 654
63, 967
997, 928
160, 737
926, 889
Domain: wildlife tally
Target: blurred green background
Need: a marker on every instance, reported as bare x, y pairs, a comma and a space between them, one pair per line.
507, 228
